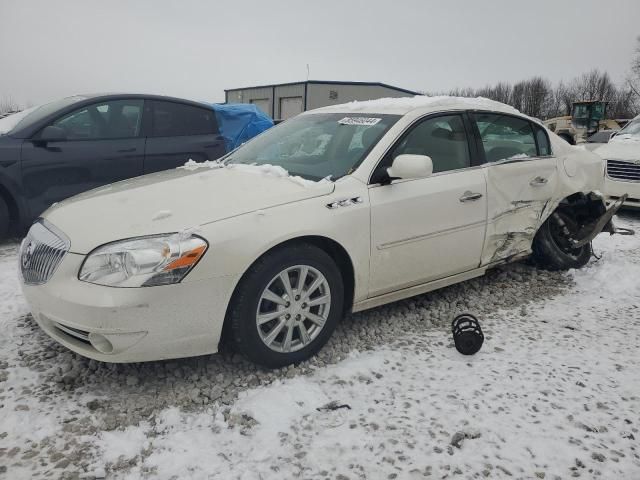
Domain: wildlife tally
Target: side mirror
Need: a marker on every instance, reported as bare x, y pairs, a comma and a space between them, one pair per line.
410, 166
52, 134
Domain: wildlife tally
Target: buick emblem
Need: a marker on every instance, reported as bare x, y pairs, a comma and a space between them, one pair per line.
27, 254
637, 162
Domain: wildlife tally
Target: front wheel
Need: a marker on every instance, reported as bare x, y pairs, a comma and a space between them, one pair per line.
552, 248
287, 306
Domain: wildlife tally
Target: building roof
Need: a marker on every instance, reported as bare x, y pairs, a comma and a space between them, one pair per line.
328, 82
404, 105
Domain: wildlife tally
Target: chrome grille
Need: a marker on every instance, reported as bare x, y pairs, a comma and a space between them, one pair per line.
41, 252
623, 170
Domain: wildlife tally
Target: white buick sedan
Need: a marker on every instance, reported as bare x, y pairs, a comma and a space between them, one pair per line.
337, 210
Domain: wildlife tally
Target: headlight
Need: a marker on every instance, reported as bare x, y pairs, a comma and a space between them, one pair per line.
144, 261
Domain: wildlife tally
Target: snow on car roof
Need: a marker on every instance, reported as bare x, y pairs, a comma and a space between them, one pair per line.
403, 105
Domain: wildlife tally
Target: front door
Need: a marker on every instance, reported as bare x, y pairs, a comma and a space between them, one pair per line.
102, 145
521, 180
430, 228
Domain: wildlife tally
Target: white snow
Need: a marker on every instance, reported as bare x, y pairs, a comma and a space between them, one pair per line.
193, 165
421, 101
10, 121
161, 214
273, 171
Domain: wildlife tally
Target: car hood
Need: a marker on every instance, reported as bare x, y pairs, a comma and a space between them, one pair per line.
174, 200
620, 149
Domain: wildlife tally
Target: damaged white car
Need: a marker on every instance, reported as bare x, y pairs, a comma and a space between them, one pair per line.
339, 209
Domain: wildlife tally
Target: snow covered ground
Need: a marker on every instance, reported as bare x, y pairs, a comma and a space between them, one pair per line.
554, 392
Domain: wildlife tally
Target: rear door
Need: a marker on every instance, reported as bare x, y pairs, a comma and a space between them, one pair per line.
103, 144
521, 180
179, 132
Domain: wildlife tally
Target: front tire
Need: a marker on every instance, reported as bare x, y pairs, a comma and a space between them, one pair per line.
551, 246
287, 306
4, 219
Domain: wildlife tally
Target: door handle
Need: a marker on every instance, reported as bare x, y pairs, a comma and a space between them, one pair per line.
538, 182
470, 196
127, 150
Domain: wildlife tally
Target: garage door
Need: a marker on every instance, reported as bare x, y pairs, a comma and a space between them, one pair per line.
263, 104
290, 107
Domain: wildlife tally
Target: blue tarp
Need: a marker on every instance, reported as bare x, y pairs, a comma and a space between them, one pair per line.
239, 122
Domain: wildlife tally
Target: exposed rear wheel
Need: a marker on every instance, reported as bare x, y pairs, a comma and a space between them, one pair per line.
4, 218
552, 248
287, 306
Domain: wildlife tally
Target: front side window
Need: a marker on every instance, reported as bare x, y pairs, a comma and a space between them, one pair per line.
444, 139
172, 119
316, 146
505, 137
107, 120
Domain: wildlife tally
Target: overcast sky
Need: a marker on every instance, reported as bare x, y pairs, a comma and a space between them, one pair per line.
196, 49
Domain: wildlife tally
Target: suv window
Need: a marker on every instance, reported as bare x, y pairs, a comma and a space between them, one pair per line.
172, 119
107, 120
504, 137
442, 138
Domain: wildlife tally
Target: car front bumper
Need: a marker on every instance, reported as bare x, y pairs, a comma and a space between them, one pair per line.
130, 324
614, 189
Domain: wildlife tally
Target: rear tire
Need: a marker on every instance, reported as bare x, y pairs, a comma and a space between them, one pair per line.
551, 247
4, 219
274, 324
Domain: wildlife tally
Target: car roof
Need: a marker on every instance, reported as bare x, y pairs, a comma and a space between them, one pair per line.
419, 104
148, 96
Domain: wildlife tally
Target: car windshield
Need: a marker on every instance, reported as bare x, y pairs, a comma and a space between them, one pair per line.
631, 131
316, 146
31, 115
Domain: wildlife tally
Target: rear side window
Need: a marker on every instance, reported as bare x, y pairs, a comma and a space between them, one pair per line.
176, 120
542, 139
505, 137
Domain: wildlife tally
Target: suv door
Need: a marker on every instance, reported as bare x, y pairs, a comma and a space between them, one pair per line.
429, 228
521, 179
102, 145
180, 132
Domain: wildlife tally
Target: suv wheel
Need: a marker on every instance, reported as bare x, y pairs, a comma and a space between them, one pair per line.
552, 248
4, 218
287, 306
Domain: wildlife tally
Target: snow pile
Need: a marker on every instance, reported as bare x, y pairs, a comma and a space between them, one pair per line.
274, 171
193, 165
422, 101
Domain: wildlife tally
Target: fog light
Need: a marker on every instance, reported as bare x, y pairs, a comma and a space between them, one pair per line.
100, 343
467, 334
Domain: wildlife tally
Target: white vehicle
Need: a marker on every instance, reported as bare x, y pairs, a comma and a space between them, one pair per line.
339, 209
622, 157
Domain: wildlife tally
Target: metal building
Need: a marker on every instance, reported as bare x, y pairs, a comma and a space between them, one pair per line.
286, 100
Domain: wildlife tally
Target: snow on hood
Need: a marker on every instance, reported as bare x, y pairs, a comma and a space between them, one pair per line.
176, 200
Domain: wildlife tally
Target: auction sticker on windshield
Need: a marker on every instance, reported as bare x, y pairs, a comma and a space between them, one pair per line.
359, 121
